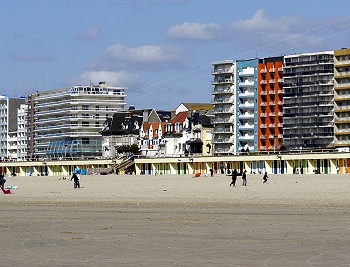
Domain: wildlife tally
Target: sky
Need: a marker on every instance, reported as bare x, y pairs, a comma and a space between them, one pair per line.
160, 50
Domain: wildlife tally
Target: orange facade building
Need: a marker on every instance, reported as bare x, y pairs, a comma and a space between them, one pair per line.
270, 104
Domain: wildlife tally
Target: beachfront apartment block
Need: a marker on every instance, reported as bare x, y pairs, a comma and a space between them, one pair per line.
246, 108
66, 123
224, 107
278, 103
342, 98
9, 127
308, 100
270, 104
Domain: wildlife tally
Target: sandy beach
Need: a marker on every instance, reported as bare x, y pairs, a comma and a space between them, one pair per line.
176, 220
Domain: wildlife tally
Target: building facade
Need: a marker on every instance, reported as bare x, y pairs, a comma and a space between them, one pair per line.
9, 126
308, 100
270, 104
66, 123
342, 98
246, 115
224, 108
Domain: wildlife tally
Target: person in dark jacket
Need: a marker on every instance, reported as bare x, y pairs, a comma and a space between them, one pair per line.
2, 180
76, 179
234, 175
265, 177
244, 178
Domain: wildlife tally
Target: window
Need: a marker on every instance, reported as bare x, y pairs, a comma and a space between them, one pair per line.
85, 116
97, 116
106, 107
85, 124
97, 108
97, 124
85, 141
85, 107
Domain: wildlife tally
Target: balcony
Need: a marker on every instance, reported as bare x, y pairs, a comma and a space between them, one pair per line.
263, 82
262, 137
272, 103
273, 69
280, 114
246, 84
272, 81
280, 103
263, 70
246, 105
280, 69
246, 127
272, 114
272, 92
280, 91
246, 137
263, 93
262, 147
263, 126
263, 115
263, 104
272, 125
281, 80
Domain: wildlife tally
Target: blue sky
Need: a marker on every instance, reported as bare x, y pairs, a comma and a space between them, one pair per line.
161, 50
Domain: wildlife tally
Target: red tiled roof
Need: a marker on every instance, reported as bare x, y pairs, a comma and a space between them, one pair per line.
180, 117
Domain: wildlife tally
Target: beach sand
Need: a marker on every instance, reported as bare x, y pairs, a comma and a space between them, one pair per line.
176, 220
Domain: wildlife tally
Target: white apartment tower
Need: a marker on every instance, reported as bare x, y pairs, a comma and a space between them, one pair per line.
224, 108
66, 123
9, 126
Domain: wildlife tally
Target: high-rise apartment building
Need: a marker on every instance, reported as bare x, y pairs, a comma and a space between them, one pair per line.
66, 123
270, 104
9, 126
308, 100
342, 98
246, 109
224, 108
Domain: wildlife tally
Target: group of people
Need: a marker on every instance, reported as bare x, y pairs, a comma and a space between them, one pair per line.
234, 175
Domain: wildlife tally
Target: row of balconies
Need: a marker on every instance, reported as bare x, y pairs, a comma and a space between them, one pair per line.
223, 140
221, 120
223, 110
226, 100
271, 125
226, 90
223, 131
218, 81
271, 81
273, 69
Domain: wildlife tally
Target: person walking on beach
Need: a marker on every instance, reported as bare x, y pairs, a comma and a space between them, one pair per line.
76, 179
2, 180
234, 175
244, 178
265, 177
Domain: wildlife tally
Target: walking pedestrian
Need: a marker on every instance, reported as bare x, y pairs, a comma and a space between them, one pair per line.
244, 178
76, 179
2, 180
211, 172
234, 175
265, 177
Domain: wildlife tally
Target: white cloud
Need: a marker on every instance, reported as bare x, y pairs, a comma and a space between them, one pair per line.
116, 78
90, 34
141, 57
259, 22
195, 31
